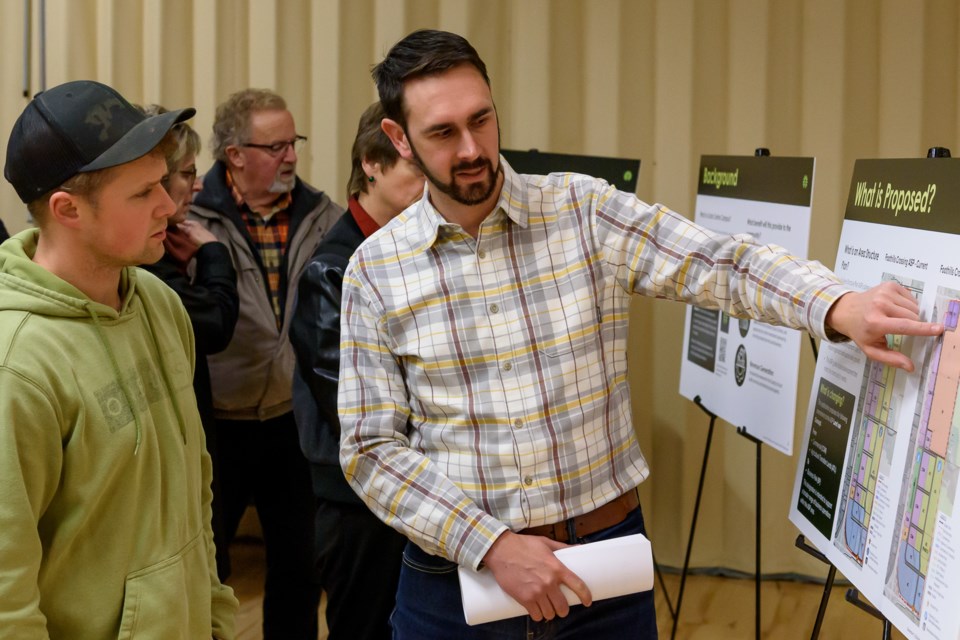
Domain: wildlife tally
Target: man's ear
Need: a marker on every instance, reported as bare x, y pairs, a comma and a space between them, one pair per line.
63, 208
398, 137
234, 156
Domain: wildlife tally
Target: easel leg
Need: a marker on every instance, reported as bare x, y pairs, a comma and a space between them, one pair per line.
696, 511
663, 587
801, 543
757, 578
853, 597
824, 599
756, 617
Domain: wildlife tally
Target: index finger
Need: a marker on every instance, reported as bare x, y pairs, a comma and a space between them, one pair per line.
907, 327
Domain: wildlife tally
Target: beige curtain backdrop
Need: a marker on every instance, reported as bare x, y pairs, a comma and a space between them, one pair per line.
662, 80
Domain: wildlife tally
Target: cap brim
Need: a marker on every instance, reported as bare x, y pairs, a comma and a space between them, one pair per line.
140, 140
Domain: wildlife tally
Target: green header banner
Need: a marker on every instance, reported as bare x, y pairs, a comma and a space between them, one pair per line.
917, 193
757, 178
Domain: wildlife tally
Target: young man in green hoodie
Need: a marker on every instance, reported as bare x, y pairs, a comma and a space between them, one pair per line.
104, 478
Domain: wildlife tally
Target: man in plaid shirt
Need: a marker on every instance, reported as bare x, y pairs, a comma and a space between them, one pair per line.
484, 402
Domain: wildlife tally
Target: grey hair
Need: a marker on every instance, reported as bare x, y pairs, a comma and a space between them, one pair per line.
231, 124
186, 139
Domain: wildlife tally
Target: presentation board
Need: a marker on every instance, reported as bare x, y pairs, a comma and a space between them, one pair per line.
876, 481
745, 371
620, 172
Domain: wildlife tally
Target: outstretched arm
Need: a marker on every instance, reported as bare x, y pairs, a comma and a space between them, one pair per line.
869, 316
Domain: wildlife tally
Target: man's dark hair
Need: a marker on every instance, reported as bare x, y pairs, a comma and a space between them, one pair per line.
422, 53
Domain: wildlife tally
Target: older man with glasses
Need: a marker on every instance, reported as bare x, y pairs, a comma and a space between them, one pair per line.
271, 222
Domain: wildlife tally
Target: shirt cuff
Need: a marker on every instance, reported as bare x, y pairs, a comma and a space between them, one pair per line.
820, 305
475, 549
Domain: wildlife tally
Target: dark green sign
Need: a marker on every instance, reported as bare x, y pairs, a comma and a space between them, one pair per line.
763, 179
702, 347
917, 193
823, 466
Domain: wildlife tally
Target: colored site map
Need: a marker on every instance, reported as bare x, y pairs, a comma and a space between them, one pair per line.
878, 408
932, 459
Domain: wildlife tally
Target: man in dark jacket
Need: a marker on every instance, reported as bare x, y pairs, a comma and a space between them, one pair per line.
271, 222
358, 557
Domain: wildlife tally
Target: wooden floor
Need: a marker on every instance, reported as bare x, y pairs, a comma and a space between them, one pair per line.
713, 608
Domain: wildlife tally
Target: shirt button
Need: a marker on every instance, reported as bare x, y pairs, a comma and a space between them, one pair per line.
518, 424
494, 308
508, 366
481, 254
528, 481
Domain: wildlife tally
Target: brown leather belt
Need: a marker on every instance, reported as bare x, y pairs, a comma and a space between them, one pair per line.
612, 513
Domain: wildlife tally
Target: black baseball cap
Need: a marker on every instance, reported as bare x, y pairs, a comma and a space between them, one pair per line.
78, 127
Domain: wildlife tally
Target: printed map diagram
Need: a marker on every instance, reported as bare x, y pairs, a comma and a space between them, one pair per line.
875, 425
929, 482
877, 485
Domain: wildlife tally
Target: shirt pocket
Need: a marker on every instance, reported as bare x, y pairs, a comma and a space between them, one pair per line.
170, 599
563, 314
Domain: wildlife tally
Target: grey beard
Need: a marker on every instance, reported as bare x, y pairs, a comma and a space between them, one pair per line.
280, 186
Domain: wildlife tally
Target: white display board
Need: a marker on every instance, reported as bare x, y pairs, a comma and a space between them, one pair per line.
745, 371
876, 481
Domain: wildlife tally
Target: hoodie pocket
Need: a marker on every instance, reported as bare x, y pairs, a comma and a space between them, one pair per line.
169, 599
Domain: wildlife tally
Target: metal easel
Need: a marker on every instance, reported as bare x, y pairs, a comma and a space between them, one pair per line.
760, 152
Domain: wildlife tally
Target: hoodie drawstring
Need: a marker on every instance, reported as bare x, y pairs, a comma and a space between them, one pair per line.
164, 374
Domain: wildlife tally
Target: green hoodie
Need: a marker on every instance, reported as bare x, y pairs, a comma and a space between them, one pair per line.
104, 476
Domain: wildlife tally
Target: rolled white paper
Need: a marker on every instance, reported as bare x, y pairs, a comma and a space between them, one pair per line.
609, 567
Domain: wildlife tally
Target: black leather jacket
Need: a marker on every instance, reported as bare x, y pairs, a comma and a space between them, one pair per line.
315, 335
212, 304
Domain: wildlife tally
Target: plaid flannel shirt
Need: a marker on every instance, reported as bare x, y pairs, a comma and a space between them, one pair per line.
483, 382
269, 233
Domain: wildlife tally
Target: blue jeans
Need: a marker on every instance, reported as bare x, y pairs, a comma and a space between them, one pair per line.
429, 607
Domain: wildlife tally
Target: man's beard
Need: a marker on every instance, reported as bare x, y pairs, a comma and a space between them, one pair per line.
281, 185
469, 195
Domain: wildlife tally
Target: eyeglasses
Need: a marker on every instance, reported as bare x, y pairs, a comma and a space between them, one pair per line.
277, 148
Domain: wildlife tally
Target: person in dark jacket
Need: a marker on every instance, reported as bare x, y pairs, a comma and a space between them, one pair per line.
358, 557
3, 232
271, 222
209, 294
